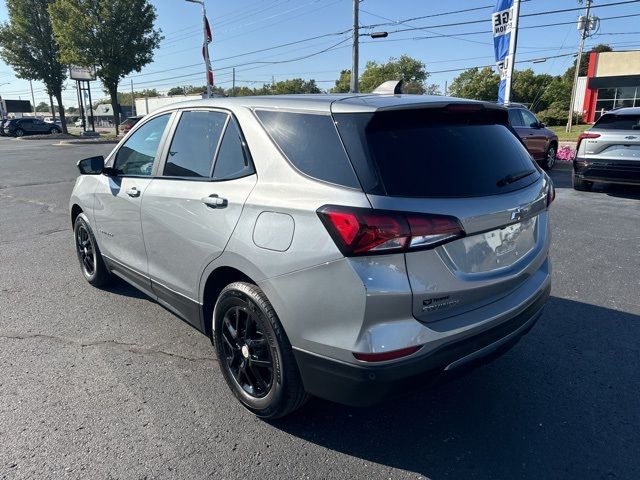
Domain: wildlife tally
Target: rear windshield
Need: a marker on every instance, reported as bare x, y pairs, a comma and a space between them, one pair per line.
618, 122
436, 153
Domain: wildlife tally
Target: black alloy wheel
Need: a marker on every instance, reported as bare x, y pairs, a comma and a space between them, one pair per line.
86, 251
254, 352
246, 351
19, 132
93, 267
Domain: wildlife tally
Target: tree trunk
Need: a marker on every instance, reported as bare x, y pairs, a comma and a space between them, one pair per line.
113, 93
63, 119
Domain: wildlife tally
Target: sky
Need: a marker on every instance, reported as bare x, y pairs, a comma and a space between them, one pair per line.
446, 40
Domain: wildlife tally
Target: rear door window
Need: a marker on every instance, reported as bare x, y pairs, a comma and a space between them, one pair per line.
433, 153
194, 144
312, 145
618, 122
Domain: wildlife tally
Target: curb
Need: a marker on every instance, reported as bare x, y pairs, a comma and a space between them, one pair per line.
87, 142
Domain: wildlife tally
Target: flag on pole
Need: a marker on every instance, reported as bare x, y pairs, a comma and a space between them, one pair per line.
502, 22
205, 50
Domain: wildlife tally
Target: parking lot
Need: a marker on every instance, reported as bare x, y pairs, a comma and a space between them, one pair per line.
108, 384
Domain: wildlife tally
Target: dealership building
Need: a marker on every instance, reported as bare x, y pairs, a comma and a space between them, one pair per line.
613, 81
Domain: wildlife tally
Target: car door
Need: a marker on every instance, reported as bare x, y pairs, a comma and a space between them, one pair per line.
191, 208
536, 139
38, 126
118, 199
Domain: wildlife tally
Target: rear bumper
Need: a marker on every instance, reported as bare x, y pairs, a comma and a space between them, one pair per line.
608, 171
362, 385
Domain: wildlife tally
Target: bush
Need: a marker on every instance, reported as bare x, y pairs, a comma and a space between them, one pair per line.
553, 117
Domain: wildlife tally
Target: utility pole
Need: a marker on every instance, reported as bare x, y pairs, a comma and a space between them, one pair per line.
511, 56
133, 101
586, 25
33, 99
353, 87
233, 83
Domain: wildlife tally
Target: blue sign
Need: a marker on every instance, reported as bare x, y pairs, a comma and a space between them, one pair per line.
502, 22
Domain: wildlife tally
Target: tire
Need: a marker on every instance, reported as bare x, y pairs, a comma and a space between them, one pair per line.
550, 157
91, 262
247, 331
19, 132
54, 130
581, 185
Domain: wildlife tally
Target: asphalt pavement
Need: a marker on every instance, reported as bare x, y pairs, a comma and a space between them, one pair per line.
108, 384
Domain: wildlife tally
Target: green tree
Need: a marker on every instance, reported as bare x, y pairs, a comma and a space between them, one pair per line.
116, 36
294, 85
72, 110
176, 91
27, 44
529, 88
558, 94
476, 84
42, 107
405, 68
343, 83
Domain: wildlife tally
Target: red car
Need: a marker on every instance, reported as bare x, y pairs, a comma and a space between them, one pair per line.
541, 142
129, 123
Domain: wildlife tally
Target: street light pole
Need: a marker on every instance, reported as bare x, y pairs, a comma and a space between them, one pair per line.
353, 87
583, 36
2, 113
205, 45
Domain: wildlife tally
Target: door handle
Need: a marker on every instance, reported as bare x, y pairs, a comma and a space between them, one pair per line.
214, 201
133, 192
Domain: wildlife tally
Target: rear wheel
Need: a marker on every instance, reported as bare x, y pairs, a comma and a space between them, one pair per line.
91, 262
581, 185
254, 353
550, 157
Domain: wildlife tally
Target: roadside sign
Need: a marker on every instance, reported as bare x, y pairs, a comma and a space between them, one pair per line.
82, 73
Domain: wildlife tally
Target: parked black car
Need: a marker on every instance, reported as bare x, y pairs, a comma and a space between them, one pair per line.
18, 127
541, 142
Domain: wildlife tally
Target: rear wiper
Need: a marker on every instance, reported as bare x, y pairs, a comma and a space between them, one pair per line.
514, 177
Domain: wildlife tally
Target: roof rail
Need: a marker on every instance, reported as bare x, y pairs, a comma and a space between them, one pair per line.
392, 87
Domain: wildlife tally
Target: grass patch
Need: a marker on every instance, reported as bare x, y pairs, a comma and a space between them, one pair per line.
571, 136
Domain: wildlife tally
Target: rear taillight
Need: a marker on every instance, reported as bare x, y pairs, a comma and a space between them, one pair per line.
363, 231
384, 356
582, 136
551, 192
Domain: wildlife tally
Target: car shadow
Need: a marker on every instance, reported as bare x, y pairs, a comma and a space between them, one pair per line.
120, 287
562, 179
563, 403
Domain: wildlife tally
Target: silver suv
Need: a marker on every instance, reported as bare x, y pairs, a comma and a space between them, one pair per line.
609, 152
332, 245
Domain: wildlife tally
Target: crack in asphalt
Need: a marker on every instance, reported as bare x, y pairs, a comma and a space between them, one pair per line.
127, 347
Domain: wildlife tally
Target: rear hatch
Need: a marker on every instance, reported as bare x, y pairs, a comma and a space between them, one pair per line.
456, 161
614, 138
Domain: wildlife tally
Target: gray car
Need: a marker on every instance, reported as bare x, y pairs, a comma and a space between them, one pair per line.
343, 246
609, 152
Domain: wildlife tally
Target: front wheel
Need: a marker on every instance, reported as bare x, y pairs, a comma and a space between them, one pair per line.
550, 157
19, 132
254, 353
53, 131
91, 262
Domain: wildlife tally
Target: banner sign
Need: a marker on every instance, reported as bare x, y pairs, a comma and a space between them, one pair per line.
82, 73
502, 23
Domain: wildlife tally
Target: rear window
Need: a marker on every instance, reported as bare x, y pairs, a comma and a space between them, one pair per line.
311, 143
436, 153
618, 122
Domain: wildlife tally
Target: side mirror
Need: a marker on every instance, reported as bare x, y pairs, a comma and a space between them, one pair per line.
91, 165
541, 125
